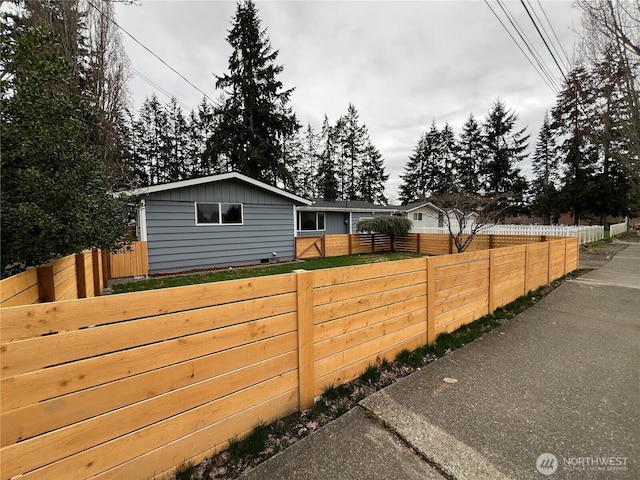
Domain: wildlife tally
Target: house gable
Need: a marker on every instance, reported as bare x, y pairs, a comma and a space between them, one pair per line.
225, 186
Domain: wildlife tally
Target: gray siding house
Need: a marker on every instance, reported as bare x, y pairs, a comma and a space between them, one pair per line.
220, 220
325, 217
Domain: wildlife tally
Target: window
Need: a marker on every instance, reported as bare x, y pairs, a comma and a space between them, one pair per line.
218, 213
310, 220
440, 220
417, 216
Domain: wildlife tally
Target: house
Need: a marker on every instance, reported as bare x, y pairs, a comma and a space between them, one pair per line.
324, 217
424, 215
219, 220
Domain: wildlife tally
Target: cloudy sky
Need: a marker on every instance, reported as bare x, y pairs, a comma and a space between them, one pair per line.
402, 64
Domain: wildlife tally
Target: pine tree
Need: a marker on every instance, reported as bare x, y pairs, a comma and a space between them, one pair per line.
174, 139
372, 177
327, 184
254, 118
429, 169
612, 186
447, 161
545, 168
307, 185
200, 128
293, 159
351, 137
504, 148
470, 154
148, 139
415, 177
572, 120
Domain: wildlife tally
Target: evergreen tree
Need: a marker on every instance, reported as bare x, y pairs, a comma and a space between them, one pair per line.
429, 170
293, 159
372, 177
572, 121
175, 144
148, 139
545, 168
327, 161
307, 184
415, 177
55, 199
254, 118
351, 137
470, 154
448, 159
504, 148
612, 185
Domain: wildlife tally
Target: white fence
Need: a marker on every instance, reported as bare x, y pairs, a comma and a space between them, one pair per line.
586, 234
617, 229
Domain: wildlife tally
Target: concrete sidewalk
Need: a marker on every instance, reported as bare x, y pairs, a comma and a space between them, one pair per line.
553, 393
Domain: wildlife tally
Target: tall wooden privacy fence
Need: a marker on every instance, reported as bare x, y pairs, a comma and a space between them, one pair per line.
75, 276
129, 386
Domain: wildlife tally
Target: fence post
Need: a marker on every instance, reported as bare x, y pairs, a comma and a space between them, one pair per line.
304, 292
418, 243
106, 268
323, 246
491, 240
526, 269
492, 261
450, 244
565, 256
81, 276
350, 244
431, 300
46, 287
373, 243
97, 274
548, 263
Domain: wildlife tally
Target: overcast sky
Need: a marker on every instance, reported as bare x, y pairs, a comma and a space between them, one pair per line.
402, 64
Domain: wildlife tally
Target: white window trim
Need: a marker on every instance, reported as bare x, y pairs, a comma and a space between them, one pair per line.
219, 224
316, 212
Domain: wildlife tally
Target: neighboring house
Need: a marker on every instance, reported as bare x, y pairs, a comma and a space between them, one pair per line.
424, 215
323, 217
220, 220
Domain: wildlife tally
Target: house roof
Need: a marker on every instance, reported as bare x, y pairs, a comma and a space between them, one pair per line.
418, 205
217, 178
348, 206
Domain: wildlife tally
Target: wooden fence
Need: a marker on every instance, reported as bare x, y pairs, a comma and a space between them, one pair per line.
426, 243
132, 262
129, 386
76, 276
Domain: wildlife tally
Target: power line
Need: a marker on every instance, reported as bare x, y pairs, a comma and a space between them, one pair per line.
544, 79
554, 33
534, 53
108, 17
543, 40
162, 90
566, 66
216, 106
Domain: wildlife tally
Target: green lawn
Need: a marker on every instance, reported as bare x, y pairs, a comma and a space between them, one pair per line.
235, 273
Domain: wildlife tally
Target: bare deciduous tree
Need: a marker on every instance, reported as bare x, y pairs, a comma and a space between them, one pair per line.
467, 214
611, 34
